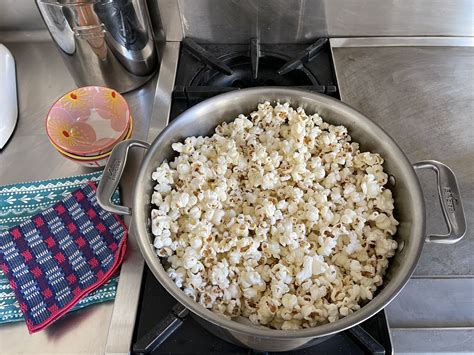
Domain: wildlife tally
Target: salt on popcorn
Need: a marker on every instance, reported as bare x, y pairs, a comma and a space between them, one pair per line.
277, 217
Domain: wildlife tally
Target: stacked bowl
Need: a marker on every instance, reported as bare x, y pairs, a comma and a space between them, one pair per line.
86, 123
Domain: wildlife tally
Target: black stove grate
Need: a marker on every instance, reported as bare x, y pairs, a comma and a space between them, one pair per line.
206, 70
371, 337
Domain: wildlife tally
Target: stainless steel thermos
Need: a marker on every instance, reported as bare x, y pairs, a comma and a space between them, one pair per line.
103, 42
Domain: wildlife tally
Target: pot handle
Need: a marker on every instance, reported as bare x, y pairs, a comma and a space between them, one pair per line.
450, 200
112, 174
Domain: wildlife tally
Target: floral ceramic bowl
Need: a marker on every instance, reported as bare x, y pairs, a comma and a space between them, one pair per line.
92, 163
88, 121
93, 160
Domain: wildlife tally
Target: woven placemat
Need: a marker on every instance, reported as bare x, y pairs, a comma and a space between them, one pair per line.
18, 202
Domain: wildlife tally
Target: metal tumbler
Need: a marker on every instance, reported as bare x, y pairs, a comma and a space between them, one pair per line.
103, 42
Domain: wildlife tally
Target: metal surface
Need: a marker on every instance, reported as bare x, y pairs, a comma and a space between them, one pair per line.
424, 97
114, 170
122, 323
106, 43
450, 201
29, 156
162, 330
168, 11
303, 57
206, 57
433, 341
361, 335
360, 42
434, 302
164, 89
287, 21
290, 21
19, 15
254, 56
24, 36
407, 195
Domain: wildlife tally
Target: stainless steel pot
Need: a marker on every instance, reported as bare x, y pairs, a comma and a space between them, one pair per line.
409, 206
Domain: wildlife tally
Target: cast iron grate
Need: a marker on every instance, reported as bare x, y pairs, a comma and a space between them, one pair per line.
370, 337
206, 70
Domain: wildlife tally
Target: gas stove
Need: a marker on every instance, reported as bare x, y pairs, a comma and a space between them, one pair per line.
371, 337
210, 69
206, 70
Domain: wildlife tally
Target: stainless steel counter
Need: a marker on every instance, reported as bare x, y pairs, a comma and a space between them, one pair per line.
42, 78
424, 98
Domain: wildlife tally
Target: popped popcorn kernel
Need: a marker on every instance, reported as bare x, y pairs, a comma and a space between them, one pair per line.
277, 217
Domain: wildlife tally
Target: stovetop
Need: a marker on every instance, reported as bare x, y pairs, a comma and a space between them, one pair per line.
211, 69
208, 70
371, 337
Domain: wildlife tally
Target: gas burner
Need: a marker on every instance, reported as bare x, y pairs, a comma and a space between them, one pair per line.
206, 70
243, 77
254, 66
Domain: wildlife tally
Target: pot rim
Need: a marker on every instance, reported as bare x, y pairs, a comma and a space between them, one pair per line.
383, 296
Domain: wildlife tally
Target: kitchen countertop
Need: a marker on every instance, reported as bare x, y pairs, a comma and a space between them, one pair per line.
29, 156
428, 89
424, 98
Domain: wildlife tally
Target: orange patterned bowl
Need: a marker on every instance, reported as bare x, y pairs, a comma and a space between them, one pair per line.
88, 121
101, 156
91, 163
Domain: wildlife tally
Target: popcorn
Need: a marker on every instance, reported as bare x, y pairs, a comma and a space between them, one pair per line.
317, 292
218, 275
369, 186
250, 278
290, 325
277, 217
307, 270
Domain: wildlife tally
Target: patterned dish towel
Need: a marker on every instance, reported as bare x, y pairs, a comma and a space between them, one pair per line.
21, 201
